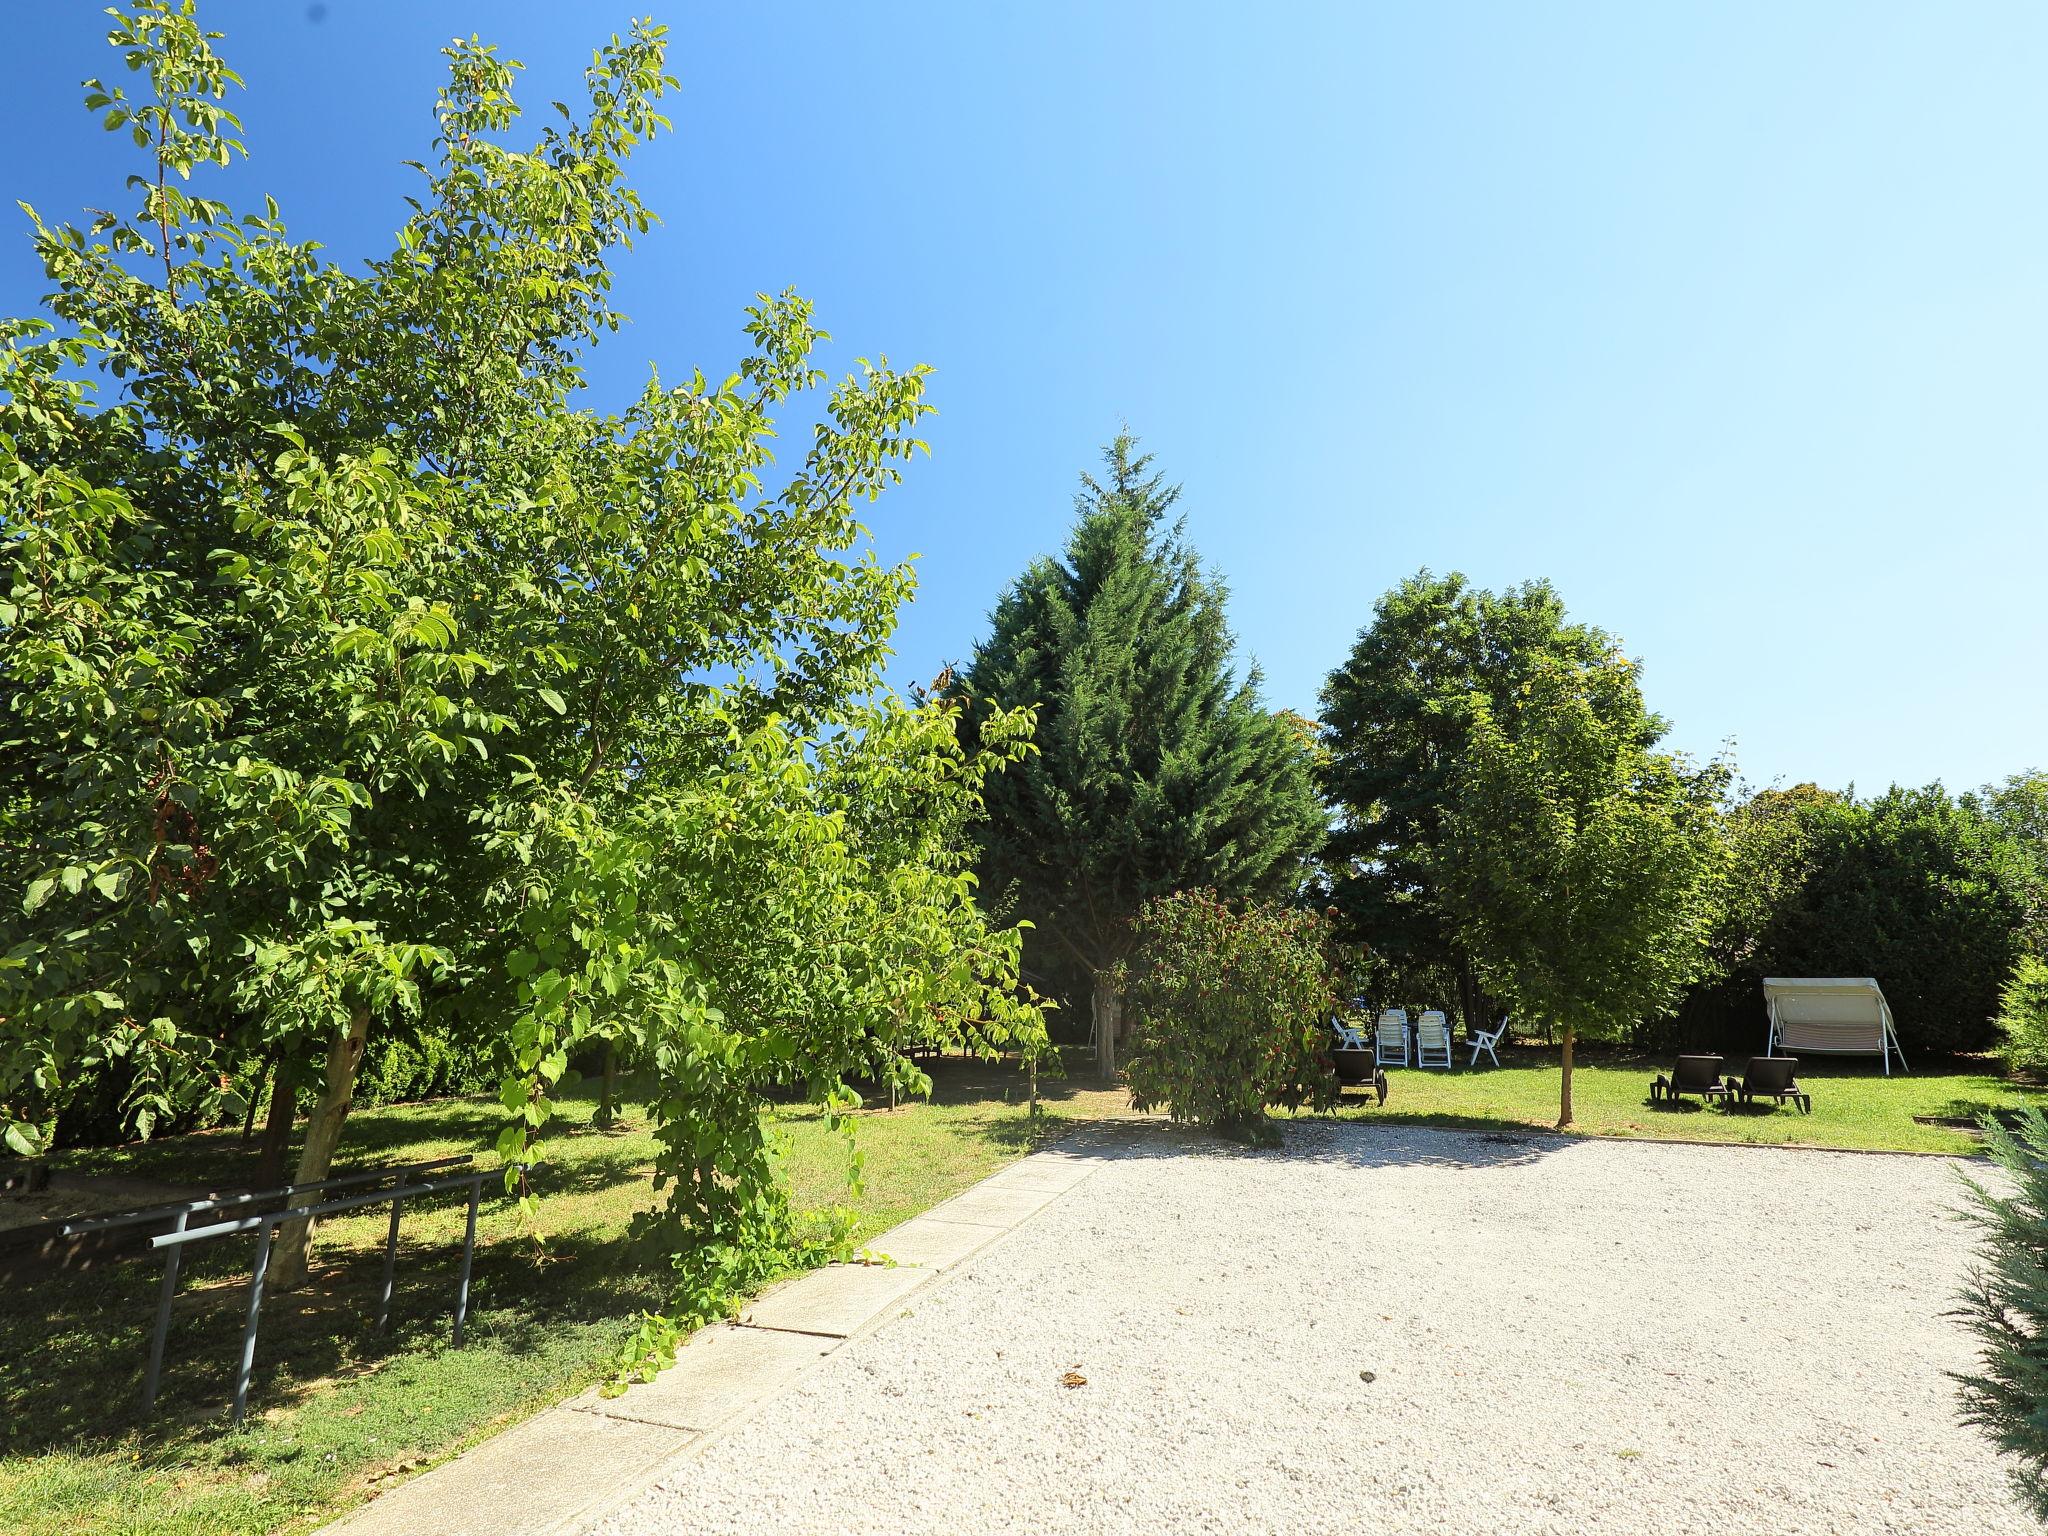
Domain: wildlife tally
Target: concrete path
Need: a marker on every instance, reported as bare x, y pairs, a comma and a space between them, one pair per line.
563, 1470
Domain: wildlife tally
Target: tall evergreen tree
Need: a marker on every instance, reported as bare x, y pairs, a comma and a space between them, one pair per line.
1157, 769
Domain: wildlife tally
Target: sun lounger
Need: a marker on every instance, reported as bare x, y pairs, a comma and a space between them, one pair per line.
1694, 1074
1773, 1077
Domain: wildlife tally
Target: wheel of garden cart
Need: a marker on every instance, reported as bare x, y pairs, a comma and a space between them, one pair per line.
1379, 1083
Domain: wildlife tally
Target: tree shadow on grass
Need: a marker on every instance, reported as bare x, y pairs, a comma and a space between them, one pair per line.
73, 1329
62, 1329
218, 1161
1020, 1133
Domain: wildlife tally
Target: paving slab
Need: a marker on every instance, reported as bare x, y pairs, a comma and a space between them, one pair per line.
837, 1300
930, 1243
723, 1369
536, 1479
993, 1207
1053, 1177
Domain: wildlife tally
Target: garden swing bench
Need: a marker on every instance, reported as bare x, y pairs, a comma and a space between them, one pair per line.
1831, 1015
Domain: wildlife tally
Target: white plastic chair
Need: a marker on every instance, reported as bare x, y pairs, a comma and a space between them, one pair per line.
1486, 1039
1390, 1039
1433, 1040
1348, 1036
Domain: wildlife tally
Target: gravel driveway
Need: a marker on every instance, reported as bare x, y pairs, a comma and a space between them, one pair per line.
1394, 1329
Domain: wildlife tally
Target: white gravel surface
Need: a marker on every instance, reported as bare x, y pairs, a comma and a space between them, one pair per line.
1394, 1329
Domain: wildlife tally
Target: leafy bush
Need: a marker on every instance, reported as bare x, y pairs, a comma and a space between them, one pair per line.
2006, 1306
432, 1064
1229, 1006
1937, 896
2023, 1015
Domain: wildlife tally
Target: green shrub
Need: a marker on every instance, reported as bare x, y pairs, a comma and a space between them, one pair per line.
400, 1069
2023, 1015
1231, 1008
1936, 895
2006, 1306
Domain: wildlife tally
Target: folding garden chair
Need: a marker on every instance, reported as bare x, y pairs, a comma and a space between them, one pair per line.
1486, 1039
1433, 1040
1390, 1039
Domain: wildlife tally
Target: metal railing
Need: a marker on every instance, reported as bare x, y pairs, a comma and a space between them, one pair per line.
264, 1225
187, 1209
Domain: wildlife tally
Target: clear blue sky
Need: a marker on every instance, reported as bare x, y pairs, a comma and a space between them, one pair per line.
1731, 319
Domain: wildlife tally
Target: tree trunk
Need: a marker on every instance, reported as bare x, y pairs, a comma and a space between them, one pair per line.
1564, 1098
1471, 1002
1108, 1009
323, 1133
277, 1127
608, 1095
256, 1093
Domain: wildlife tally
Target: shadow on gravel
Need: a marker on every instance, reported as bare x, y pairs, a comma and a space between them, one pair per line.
1348, 1144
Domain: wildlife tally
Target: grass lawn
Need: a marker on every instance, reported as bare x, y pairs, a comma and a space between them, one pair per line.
1854, 1106
337, 1412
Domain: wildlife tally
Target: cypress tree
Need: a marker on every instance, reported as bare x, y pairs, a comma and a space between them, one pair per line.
1157, 769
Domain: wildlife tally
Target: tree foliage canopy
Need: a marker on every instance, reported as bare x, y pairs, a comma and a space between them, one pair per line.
1398, 722
357, 667
1580, 865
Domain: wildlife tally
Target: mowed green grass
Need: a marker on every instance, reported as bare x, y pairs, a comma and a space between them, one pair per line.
1854, 1106
336, 1412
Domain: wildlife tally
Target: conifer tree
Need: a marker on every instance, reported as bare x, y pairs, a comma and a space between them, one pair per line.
2005, 1304
1158, 769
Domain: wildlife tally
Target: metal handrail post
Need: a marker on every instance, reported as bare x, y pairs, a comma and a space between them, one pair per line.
249, 1325
476, 1190
265, 1224
390, 1264
154, 1375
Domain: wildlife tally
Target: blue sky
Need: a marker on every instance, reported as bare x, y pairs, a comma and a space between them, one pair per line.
1731, 319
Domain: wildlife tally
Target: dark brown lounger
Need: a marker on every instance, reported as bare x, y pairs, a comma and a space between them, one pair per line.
1693, 1074
1773, 1077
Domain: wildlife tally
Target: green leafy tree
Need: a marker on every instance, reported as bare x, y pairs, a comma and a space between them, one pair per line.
1398, 719
2019, 804
2023, 1015
357, 670
1231, 1008
1156, 769
2005, 1305
1580, 865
